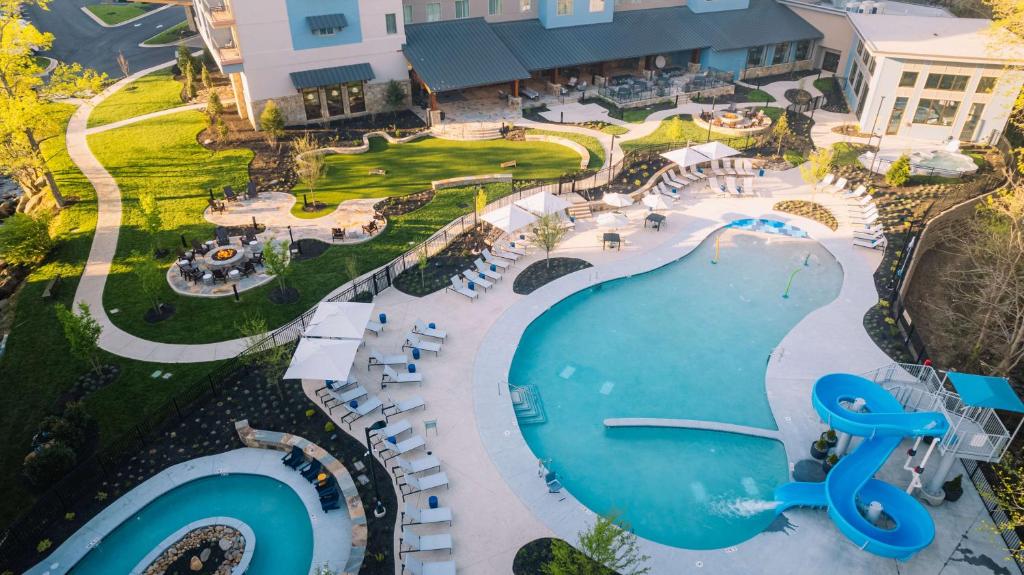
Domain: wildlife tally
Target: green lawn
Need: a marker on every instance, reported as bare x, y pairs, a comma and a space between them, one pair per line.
825, 85
589, 142
411, 167
759, 96
116, 13
846, 153
150, 93
613, 130
691, 133
177, 32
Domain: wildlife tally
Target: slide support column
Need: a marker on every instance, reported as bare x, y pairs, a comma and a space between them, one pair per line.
934, 485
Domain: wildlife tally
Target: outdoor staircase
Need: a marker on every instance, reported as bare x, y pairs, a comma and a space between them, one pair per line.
468, 131
580, 211
527, 404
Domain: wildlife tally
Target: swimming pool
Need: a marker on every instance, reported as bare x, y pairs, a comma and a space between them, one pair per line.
284, 535
689, 340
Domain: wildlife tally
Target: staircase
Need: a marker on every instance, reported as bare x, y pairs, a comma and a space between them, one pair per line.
527, 404
580, 211
467, 131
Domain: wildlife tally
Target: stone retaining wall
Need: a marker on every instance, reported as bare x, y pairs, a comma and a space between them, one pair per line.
471, 180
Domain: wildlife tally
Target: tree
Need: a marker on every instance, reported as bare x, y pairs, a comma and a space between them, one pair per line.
25, 115
262, 352
394, 96
25, 239
817, 166
214, 107
122, 64
190, 80
272, 122
152, 218
606, 547
310, 164
781, 132
899, 172
184, 58
1008, 34
479, 204
1008, 493
547, 233
82, 333
422, 262
49, 463
275, 259
675, 131
204, 76
151, 281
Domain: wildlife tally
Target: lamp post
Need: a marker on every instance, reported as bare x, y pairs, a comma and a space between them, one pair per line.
378, 509
713, 100
611, 157
874, 124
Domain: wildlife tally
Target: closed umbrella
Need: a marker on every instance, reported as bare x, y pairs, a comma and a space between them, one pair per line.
612, 220
326, 359
617, 200
543, 204
657, 202
509, 218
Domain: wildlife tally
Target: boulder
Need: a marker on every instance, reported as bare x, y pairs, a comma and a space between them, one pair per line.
195, 564
226, 544
204, 555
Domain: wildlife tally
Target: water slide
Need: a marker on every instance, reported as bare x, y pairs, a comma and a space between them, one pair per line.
850, 485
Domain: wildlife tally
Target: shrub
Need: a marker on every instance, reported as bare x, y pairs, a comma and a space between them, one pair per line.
394, 95
214, 107
329, 426
793, 157
82, 333
61, 430
25, 239
75, 414
899, 172
44, 545
49, 463
272, 121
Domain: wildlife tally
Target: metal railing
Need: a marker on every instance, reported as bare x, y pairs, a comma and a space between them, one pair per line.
652, 90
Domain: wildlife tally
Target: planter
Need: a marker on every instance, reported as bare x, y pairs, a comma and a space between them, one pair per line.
953, 489
828, 464
818, 454
830, 441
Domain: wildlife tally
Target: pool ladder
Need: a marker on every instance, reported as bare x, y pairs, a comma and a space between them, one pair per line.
527, 404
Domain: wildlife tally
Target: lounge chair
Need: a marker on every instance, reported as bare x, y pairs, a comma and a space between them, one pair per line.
697, 174
872, 233
250, 190
229, 194
293, 458
423, 329
667, 190
391, 430
377, 358
743, 167
458, 287
748, 185
839, 185
725, 170
412, 484
417, 516
476, 278
418, 465
680, 178
403, 406
866, 219
335, 398
513, 248
716, 186
875, 244
413, 340
360, 410
730, 186
311, 469
510, 256
416, 542
417, 567
487, 271
862, 202
334, 385
392, 376
552, 481
667, 180
331, 504
827, 180
860, 191
494, 261
402, 447
374, 326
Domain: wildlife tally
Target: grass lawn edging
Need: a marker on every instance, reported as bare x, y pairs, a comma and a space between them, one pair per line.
111, 15
170, 36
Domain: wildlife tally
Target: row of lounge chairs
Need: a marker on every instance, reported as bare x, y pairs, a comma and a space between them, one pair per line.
731, 186
327, 489
862, 211
489, 269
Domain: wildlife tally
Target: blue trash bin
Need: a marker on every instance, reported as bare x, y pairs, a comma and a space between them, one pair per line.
415, 353
412, 368
383, 318
432, 501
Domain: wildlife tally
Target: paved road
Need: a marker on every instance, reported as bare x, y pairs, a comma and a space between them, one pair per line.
80, 39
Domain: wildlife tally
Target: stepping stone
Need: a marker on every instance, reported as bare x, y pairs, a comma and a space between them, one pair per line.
156, 374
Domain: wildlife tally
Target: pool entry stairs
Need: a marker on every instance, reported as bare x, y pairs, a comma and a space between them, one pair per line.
527, 404
884, 407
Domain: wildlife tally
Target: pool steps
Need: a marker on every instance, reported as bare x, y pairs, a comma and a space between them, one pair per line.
527, 404
692, 424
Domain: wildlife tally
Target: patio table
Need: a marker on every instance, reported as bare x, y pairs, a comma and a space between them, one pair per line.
656, 221
611, 238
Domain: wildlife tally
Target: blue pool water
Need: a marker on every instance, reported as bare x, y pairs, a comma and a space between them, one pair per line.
689, 340
284, 536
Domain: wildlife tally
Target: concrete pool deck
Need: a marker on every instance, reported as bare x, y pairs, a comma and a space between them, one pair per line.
331, 531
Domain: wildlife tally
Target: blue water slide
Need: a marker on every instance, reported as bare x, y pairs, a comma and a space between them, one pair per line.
850, 485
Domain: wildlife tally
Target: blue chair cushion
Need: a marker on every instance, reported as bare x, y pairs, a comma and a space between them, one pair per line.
354, 403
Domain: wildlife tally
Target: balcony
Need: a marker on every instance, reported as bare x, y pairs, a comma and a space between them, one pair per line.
229, 56
218, 13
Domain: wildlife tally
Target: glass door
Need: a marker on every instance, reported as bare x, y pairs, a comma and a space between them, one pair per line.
898, 108
311, 101
971, 124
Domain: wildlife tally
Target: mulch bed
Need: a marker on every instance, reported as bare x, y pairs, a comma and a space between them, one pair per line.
452, 261
309, 248
87, 383
399, 205
812, 210
532, 557
153, 315
543, 272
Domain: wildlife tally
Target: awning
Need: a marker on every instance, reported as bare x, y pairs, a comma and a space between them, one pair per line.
986, 391
543, 203
335, 22
685, 157
715, 150
509, 218
334, 319
457, 54
326, 359
329, 76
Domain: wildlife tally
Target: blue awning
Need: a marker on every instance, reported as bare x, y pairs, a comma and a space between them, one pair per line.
986, 391
328, 22
330, 76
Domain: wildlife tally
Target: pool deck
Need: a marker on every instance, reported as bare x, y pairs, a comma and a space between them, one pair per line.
331, 531
498, 501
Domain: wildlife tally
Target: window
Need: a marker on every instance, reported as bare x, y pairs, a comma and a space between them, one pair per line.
908, 79
971, 125
860, 47
326, 31
986, 84
407, 14
462, 8
525, 5
564, 8
754, 56
857, 79
864, 56
936, 112
896, 116
949, 82
494, 7
433, 11
311, 101
391, 23
597, 5
803, 49
781, 54
356, 98
871, 66
335, 100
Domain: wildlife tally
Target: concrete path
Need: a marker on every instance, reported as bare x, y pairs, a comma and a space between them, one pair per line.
144, 117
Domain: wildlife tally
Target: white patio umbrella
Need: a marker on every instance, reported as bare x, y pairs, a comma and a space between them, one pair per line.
543, 204
509, 218
715, 150
617, 200
317, 358
345, 320
612, 220
657, 202
685, 157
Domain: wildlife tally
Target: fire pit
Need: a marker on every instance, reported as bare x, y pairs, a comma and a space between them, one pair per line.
224, 258
730, 119
224, 254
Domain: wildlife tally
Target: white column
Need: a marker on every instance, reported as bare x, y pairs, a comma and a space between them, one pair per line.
934, 485
842, 444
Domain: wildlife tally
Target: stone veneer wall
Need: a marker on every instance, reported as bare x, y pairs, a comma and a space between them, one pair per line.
777, 69
295, 112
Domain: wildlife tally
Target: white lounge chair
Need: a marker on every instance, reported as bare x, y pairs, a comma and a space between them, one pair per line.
876, 244
486, 270
416, 542
391, 430
667, 190
862, 201
402, 447
725, 170
459, 288
418, 465
374, 326
865, 219
697, 174
683, 176
334, 385
360, 410
404, 406
420, 327
417, 516
392, 376
856, 193
494, 261
412, 484
827, 181
476, 279
669, 181
377, 358
838, 186
744, 167
861, 211
730, 186
416, 567
343, 397
510, 256
515, 248
872, 232
413, 340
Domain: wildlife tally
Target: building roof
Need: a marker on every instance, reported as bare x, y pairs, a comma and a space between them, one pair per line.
334, 75
457, 54
986, 391
326, 22
956, 39
764, 22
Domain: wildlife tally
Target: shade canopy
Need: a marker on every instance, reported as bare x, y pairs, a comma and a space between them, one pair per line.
685, 157
657, 202
617, 200
509, 218
715, 150
543, 204
986, 391
612, 220
316, 358
346, 320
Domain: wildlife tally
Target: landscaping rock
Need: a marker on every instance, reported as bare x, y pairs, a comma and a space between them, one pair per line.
195, 563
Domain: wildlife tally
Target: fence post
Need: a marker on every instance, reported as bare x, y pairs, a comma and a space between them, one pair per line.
142, 438
177, 409
209, 379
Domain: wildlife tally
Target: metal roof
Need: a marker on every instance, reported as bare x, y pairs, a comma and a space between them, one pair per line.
326, 21
986, 391
335, 75
457, 54
764, 22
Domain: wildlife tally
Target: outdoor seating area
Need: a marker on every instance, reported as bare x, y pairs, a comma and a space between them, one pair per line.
626, 89
219, 266
707, 166
734, 120
861, 210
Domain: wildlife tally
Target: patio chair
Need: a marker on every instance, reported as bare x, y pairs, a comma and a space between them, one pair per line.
725, 168
293, 458
222, 236
696, 173
417, 516
667, 191
311, 469
416, 542
392, 376
250, 190
334, 398
216, 206
478, 279
668, 181
420, 327
418, 465
682, 177
743, 167
417, 567
513, 248
378, 358
337, 234
730, 186
494, 261
334, 385
413, 340
229, 194
412, 484
392, 430
199, 248
838, 186
502, 253
482, 268
404, 406
458, 287
360, 409
195, 275
401, 447
248, 268
581, 87
862, 201
375, 327
871, 232
856, 193
219, 276
257, 258
874, 244
827, 180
